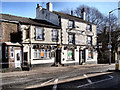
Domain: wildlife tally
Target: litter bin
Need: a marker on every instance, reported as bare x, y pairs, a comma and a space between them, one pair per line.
118, 64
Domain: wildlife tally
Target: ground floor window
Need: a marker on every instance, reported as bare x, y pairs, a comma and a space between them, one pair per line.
41, 53
11, 52
70, 54
90, 54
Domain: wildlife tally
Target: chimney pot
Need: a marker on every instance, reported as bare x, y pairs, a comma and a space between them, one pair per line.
83, 14
72, 12
37, 5
49, 6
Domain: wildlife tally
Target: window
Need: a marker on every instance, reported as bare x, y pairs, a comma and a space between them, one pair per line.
39, 34
71, 38
35, 53
89, 27
90, 54
70, 54
55, 35
41, 54
0, 31
27, 34
71, 24
11, 52
18, 56
89, 40
6, 52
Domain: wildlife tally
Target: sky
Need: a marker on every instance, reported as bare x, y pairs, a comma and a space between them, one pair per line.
28, 9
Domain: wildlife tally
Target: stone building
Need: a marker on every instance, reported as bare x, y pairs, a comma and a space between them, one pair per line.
51, 38
26, 42
78, 36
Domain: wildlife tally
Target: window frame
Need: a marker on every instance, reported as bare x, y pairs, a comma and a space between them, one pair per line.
69, 24
55, 37
73, 40
90, 27
0, 29
72, 58
89, 40
90, 51
11, 52
27, 32
38, 54
41, 34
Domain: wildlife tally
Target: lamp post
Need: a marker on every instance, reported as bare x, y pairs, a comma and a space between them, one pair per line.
109, 45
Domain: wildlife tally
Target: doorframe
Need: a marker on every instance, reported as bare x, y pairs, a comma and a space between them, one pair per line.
18, 51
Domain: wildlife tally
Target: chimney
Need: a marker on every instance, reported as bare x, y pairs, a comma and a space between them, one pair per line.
39, 7
49, 6
83, 14
72, 12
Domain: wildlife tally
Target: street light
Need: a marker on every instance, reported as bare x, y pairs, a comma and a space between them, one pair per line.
109, 45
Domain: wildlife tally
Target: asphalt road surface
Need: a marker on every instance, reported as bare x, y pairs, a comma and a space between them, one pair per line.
70, 77
110, 81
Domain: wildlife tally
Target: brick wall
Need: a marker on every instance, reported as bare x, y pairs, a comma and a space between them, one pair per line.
7, 29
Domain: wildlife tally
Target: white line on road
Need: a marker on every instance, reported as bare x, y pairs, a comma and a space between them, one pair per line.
47, 82
111, 77
55, 84
90, 82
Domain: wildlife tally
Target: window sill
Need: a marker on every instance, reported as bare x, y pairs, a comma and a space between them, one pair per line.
42, 59
70, 60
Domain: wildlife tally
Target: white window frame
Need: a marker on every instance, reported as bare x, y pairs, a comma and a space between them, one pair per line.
55, 35
71, 24
91, 54
71, 39
11, 52
0, 31
39, 33
89, 39
37, 54
89, 27
72, 54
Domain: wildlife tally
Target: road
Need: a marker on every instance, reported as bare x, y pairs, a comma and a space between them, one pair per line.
59, 77
106, 81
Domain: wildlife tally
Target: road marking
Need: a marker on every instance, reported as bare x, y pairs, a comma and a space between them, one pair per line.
87, 78
55, 84
64, 77
47, 82
111, 77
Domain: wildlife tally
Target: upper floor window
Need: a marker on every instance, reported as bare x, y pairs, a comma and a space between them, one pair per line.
71, 38
0, 30
89, 38
89, 27
27, 34
55, 35
39, 34
71, 24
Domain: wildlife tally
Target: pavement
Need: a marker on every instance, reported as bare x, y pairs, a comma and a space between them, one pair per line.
46, 75
55, 69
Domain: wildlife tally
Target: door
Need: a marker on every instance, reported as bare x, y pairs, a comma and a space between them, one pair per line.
25, 58
18, 57
81, 56
58, 56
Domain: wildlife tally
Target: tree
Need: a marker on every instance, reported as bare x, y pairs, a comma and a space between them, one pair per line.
92, 15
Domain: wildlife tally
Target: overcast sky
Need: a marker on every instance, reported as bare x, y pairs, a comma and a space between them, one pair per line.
28, 9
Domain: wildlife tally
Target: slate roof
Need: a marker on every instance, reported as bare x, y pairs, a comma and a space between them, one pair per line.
71, 17
24, 20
